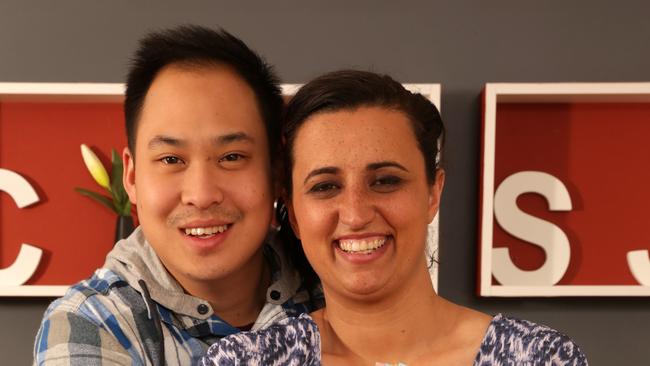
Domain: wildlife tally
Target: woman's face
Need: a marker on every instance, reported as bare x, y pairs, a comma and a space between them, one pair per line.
361, 201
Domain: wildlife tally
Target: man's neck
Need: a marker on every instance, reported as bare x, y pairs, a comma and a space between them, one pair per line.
239, 297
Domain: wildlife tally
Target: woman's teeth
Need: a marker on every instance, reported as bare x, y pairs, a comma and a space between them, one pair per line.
204, 231
361, 246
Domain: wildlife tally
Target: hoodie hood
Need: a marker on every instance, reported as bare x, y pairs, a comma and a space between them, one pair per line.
134, 259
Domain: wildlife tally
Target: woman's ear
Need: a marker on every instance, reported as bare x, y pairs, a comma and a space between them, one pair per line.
434, 194
292, 217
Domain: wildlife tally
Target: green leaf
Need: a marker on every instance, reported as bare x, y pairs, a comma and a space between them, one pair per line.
123, 206
126, 211
120, 198
116, 172
106, 201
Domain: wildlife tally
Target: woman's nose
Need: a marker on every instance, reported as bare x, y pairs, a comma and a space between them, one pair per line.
356, 209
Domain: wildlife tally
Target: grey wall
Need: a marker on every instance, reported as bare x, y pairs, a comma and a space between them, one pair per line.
461, 44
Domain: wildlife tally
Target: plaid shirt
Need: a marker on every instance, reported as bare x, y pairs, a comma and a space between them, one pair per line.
112, 319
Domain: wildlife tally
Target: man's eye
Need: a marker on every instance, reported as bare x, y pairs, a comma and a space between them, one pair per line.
170, 160
231, 157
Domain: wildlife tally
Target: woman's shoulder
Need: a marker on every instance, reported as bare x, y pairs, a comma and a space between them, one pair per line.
516, 341
289, 341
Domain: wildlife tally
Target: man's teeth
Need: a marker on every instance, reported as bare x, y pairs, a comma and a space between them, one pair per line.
200, 231
361, 246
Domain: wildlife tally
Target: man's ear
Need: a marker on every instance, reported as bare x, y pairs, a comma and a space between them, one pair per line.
434, 194
128, 175
292, 217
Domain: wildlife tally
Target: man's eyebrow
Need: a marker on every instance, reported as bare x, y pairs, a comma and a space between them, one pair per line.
234, 137
323, 170
384, 164
162, 140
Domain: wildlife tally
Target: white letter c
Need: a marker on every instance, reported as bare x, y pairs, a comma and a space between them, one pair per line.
29, 256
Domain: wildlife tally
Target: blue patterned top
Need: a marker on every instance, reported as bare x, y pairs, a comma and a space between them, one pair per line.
296, 341
510, 341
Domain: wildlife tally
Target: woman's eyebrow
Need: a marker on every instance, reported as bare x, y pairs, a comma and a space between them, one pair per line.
384, 164
323, 170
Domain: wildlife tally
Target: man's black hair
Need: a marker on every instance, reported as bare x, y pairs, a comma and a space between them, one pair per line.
196, 46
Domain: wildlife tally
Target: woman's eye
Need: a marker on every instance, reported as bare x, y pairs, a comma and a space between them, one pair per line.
323, 188
170, 160
386, 183
387, 180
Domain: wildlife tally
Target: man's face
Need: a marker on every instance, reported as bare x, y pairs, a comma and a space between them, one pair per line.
201, 178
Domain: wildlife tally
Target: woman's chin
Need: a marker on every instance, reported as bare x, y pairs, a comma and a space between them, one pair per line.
366, 287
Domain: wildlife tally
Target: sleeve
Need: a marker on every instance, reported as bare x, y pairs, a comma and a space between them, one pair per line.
294, 341
231, 351
67, 338
511, 341
562, 350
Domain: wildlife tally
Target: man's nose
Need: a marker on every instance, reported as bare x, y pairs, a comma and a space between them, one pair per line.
356, 209
201, 186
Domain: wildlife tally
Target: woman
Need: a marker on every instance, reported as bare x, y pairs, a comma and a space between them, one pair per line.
362, 161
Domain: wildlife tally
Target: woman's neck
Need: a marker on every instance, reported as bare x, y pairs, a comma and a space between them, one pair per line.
396, 328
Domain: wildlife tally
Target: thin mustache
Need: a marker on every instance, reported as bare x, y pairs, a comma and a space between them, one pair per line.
213, 212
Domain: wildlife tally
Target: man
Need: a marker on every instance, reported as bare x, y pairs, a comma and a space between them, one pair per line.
202, 113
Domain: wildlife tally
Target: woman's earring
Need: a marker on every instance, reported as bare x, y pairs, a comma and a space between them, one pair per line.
279, 214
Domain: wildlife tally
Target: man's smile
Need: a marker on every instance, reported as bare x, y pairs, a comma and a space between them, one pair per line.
206, 231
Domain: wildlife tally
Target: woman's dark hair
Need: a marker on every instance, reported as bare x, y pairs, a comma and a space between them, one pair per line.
349, 90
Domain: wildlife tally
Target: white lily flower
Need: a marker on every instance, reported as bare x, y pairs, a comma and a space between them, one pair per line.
95, 167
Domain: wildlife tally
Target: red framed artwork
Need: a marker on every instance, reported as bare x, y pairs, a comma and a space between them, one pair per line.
564, 190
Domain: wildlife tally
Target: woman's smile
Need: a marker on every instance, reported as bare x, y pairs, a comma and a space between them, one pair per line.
365, 245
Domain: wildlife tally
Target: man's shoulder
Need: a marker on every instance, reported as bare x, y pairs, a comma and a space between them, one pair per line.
98, 291
89, 321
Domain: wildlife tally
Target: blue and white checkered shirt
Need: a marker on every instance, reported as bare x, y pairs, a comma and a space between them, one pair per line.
110, 319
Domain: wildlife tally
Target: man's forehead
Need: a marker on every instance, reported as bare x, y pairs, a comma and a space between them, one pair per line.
208, 104
162, 140
177, 88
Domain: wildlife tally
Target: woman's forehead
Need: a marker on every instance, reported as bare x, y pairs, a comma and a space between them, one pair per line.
363, 136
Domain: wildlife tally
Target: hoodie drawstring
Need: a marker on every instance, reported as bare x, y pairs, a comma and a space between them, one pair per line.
154, 316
